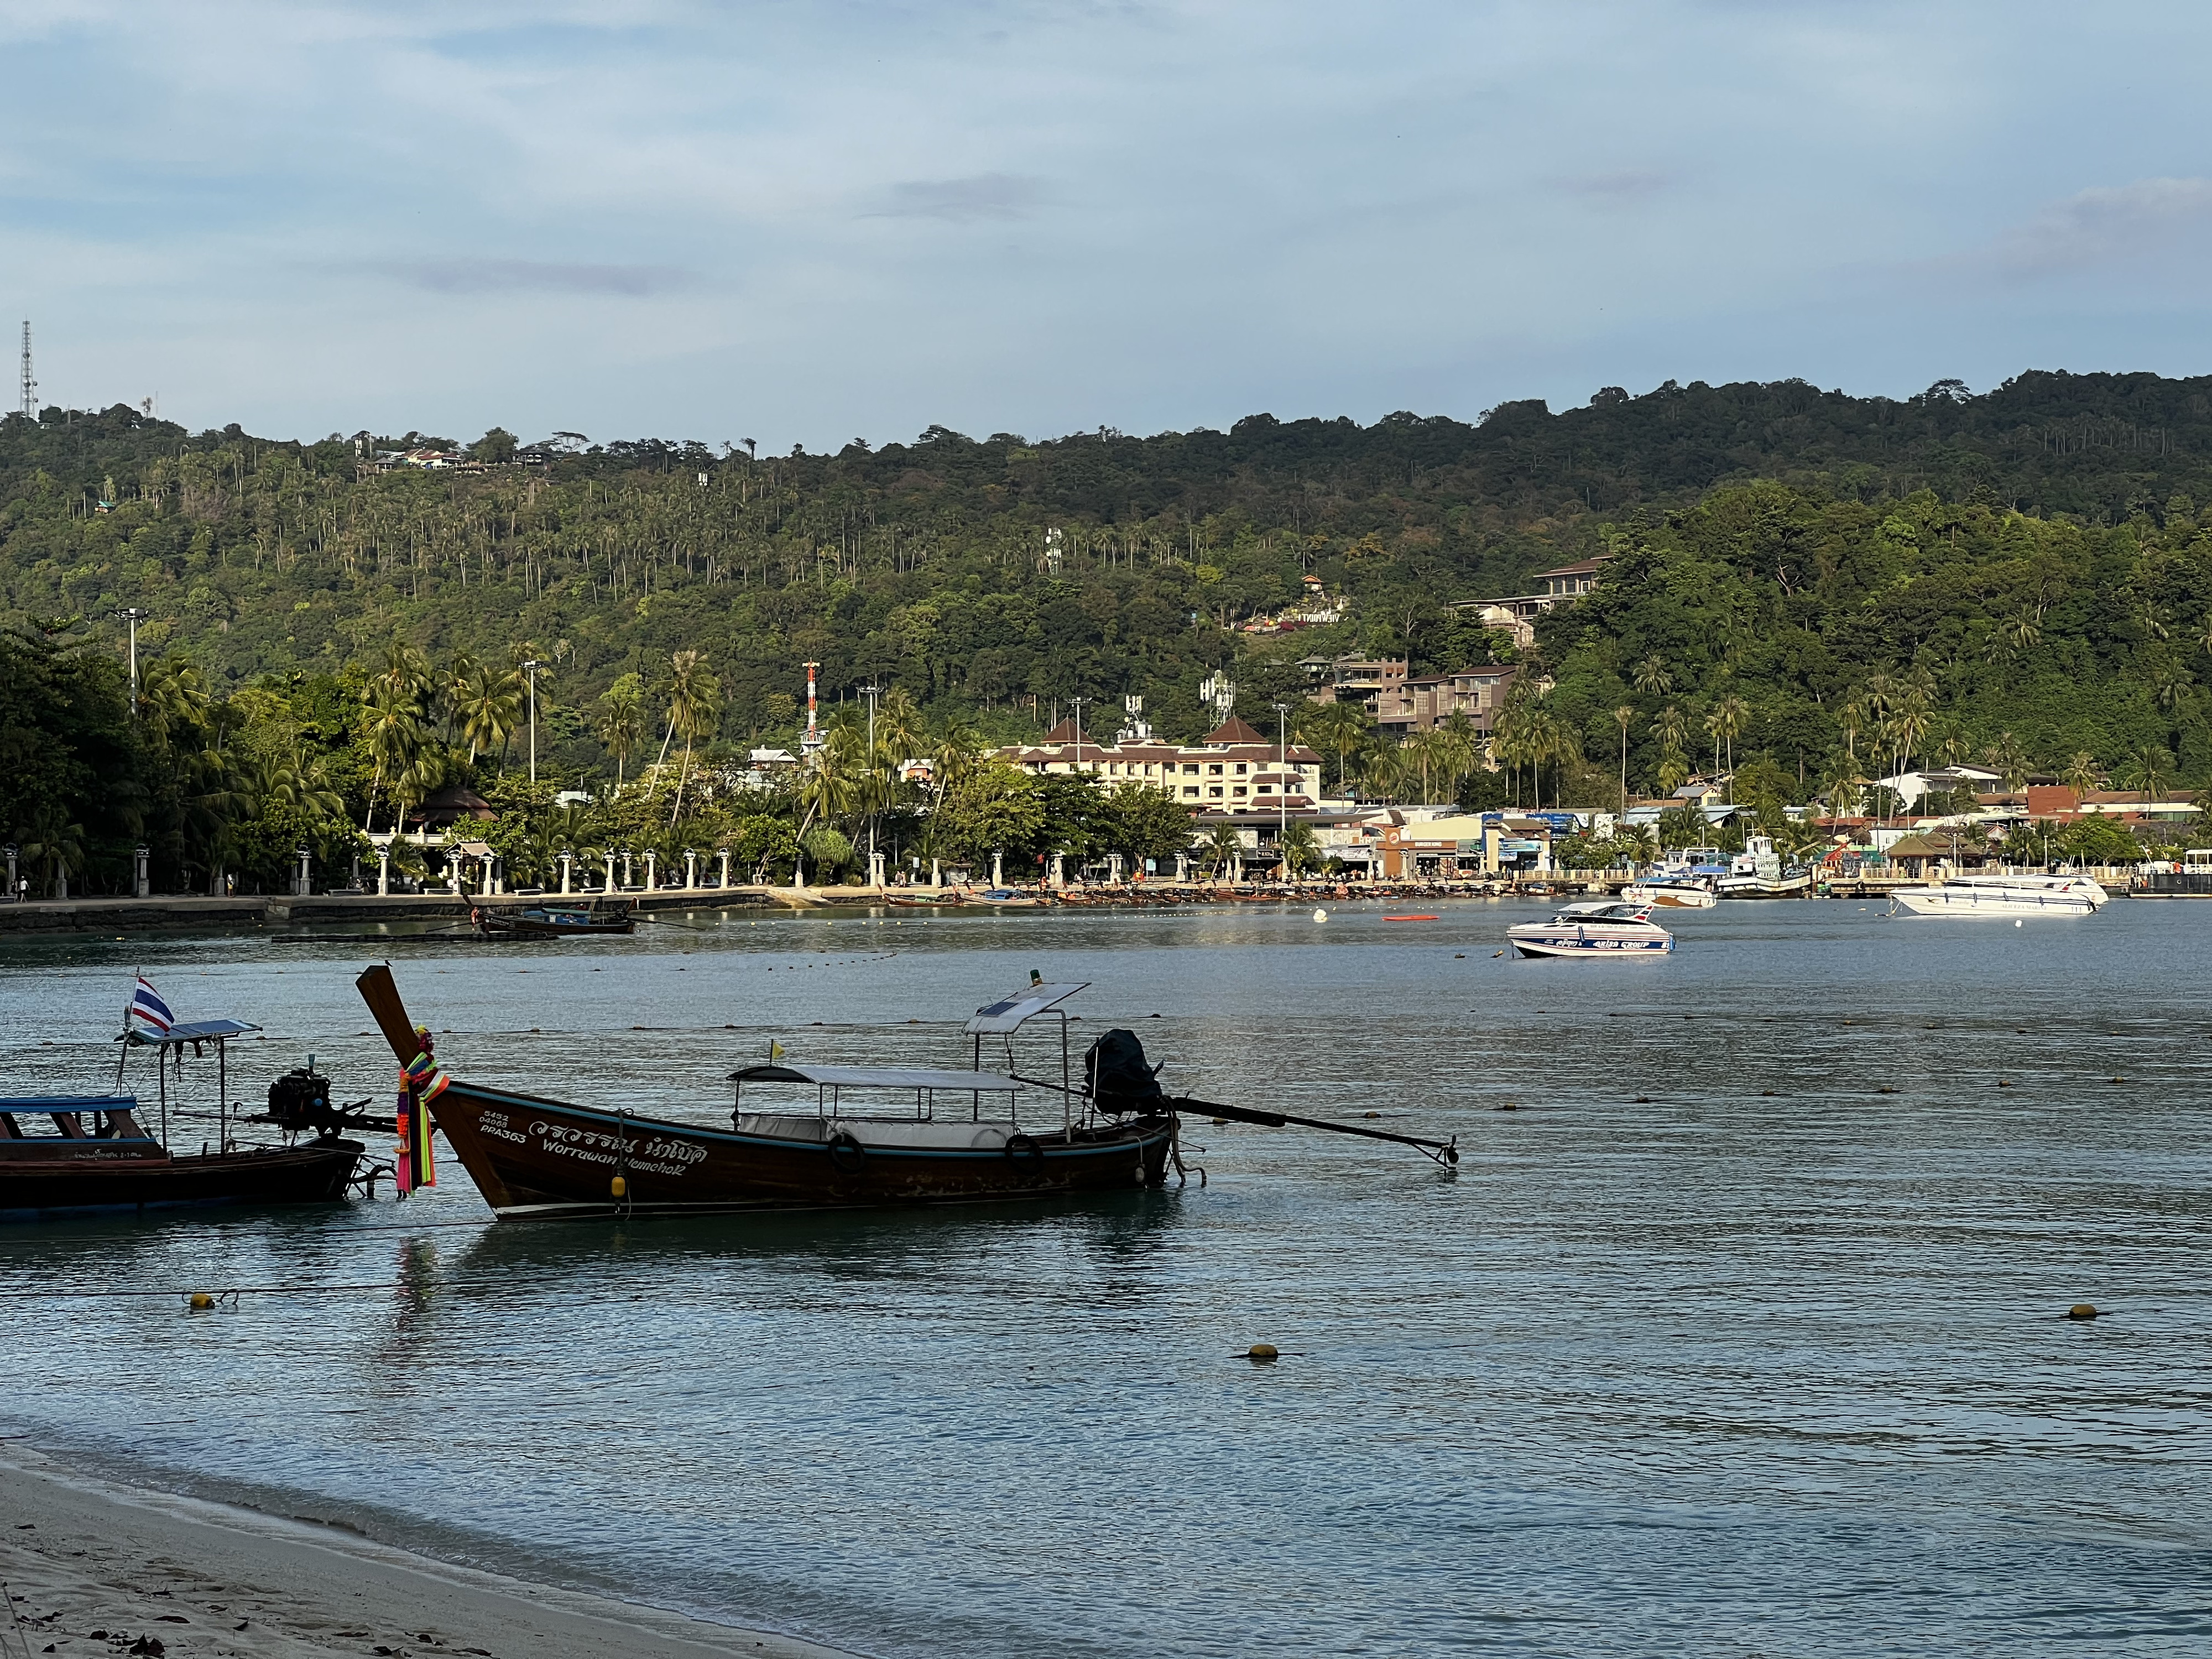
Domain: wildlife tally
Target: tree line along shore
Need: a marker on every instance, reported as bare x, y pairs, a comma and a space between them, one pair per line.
1802, 590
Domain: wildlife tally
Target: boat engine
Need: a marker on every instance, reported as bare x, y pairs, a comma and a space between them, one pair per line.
1118, 1079
299, 1101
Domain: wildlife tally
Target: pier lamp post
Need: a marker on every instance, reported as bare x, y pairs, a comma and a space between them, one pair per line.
650, 858
726, 867
691, 870
1076, 703
531, 669
133, 615
140, 886
566, 858
300, 886
872, 691
629, 867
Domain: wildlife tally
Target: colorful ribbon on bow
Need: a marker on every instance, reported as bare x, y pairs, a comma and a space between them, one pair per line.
420, 1082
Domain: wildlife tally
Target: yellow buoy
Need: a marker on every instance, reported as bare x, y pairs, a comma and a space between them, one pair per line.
1320, 915
1260, 1351
200, 1301
619, 1187
2082, 1311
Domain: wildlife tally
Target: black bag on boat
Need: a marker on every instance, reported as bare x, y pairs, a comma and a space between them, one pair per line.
1119, 1079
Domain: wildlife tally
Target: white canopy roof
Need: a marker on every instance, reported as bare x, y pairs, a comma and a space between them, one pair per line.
873, 1077
1008, 1012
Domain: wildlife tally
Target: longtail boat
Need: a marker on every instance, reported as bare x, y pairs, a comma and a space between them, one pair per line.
555, 921
78, 1154
870, 1136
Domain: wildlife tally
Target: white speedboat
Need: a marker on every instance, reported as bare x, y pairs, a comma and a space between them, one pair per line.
1671, 893
1601, 928
1757, 873
2004, 896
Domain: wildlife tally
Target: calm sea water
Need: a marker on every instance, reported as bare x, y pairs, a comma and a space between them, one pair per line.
1719, 1372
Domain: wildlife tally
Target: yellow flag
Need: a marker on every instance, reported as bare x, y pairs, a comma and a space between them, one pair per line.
775, 1049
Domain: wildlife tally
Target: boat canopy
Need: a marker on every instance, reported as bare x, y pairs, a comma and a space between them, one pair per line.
1008, 1013
873, 1077
200, 1030
70, 1103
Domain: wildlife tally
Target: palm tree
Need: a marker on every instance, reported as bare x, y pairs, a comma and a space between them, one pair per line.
301, 781
2082, 775
1339, 728
1301, 851
2170, 682
621, 722
1383, 770
1729, 716
1420, 754
2148, 769
1651, 675
1223, 845
694, 700
1621, 716
460, 676
490, 708
2009, 762
394, 731
1852, 717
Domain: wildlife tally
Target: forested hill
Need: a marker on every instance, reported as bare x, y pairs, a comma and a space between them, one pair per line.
926, 563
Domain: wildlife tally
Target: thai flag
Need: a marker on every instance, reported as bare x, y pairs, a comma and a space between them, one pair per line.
146, 1005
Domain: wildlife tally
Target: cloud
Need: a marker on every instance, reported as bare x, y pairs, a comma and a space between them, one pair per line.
2102, 226
982, 196
530, 276
1615, 190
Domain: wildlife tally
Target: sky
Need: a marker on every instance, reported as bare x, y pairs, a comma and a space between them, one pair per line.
805, 223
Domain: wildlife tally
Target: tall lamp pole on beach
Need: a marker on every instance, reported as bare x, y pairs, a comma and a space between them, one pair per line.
133, 615
1282, 788
531, 669
872, 691
1076, 703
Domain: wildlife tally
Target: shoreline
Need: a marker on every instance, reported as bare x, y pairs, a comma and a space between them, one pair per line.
83, 1554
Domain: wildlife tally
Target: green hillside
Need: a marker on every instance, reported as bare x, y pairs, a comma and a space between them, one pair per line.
1808, 576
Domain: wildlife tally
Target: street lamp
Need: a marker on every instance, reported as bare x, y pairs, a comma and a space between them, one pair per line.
1076, 703
872, 691
1282, 791
531, 669
134, 615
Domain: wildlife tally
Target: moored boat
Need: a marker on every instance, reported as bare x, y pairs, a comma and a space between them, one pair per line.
2005, 896
1603, 929
868, 1136
1671, 893
554, 921
1757, 873
78, 1154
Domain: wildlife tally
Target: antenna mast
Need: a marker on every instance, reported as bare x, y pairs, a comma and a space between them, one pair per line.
30, 404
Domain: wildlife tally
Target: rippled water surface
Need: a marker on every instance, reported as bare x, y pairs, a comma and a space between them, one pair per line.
1716, 1372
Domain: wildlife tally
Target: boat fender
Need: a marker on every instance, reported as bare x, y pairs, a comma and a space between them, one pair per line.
847, 1153
1021, 1145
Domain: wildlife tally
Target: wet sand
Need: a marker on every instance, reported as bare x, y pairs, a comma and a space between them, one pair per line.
94, 1568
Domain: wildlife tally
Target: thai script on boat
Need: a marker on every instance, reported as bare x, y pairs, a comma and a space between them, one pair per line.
662, 1156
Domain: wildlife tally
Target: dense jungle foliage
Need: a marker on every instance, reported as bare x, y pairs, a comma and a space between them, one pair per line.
1807, 588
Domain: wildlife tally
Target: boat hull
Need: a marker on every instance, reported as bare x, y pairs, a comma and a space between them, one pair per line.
74, 1177
1764, 887
1995, 906
1669, 897
1565, 942
537, 1158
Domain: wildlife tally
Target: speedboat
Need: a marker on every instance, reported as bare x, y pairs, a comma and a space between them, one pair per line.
1601, 928
1671, 893
1757, 873
2004, 896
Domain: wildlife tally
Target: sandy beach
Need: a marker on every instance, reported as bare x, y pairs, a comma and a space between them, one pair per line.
95, 1568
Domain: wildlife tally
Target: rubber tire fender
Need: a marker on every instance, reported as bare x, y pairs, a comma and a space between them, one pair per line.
1020, 1145
847, 1153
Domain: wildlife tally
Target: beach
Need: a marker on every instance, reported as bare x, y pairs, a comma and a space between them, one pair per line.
95, 1567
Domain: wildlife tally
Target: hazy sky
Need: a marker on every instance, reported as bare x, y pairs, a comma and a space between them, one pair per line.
810, 222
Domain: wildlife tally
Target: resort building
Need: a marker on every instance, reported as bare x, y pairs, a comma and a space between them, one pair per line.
1235, 768
1516, 615
1400, 702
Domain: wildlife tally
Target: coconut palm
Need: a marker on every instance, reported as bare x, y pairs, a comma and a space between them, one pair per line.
2148, 769
695, 697
2082, 774
301, 781
1339, 728
1221, 847
1652, 675
1383, 770
1726, 724
393, 729
2007, 758
1300, 848
490, 708
621, 722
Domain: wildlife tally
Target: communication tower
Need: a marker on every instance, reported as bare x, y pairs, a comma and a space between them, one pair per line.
811, 745
30, 399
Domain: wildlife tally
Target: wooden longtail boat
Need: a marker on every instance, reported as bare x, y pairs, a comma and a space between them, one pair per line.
77, 1154
554, 921
961, 1140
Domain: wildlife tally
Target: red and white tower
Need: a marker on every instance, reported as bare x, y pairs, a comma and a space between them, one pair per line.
811, 742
